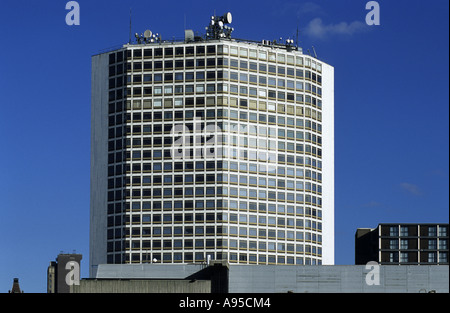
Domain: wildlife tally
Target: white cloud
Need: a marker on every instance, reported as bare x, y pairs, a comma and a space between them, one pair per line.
317, 29
411, 188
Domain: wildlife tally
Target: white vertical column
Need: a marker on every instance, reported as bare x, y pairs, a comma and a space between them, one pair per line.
328, 164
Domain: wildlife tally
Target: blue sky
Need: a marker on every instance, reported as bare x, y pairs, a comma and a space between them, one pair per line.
391, 111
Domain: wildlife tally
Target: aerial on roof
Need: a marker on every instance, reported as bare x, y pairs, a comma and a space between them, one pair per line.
217, 29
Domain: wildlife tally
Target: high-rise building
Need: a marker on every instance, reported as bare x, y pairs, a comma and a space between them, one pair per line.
406, 243
211, 148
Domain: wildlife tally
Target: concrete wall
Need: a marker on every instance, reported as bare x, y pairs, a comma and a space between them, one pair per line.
142, 286
147, 271
99, 161
285, 278
337, 279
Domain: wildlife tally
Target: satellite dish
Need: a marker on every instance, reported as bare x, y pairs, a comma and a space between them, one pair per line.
147, 33
227, 18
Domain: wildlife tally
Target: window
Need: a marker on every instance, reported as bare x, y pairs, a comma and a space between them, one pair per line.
403, 230
432, 244
443, 257
168, 90
432, 231
157, 103
393, 231
393, 257
200, 88
393, 244
404, 244
432, 257
404, 257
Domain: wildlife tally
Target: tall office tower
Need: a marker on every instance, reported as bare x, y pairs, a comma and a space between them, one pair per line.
212, 148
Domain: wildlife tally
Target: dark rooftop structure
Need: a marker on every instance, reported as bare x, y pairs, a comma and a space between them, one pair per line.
15, 287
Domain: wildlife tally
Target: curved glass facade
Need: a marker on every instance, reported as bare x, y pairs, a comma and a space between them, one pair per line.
215, 151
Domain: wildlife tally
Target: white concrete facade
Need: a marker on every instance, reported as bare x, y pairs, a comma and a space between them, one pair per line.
328, 164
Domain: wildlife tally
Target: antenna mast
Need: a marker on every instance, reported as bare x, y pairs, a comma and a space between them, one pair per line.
314, 50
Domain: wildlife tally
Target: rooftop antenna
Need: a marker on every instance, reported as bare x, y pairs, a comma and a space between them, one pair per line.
296, 38
314, 50
218, 27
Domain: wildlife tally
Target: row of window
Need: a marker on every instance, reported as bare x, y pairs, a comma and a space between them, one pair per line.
222, 113
168, 167
252, 168
183, 149
190, 231
213, 178
408, 257
212, 50
187, 77
190, 244
222, 217
261, 167
237, 136
226, 146
189, 115
169, 101
413, 244
190, 192
242, 167
310, 111
189, 257
147, 79
242, 66
241, 206
395, 231
201, 191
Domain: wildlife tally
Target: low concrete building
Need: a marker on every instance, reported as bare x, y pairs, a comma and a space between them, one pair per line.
339, 279
142, 286
223, 278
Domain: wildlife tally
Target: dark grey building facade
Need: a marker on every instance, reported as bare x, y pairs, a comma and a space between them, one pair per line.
63, 273
407, 243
